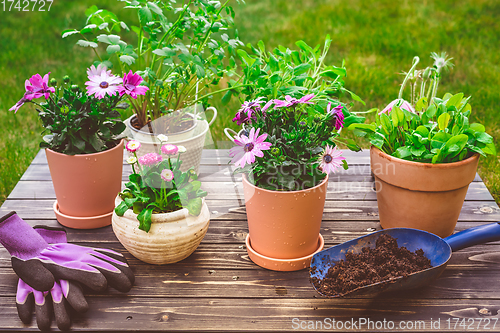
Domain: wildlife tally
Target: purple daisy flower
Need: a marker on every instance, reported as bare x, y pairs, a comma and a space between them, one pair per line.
330, 160
100, 85
338, 115
248, 147
93, 71
247, 111
291, 101
167, 175
131, 85
150, 159
403, 105
37, 87
169, 149
20, 103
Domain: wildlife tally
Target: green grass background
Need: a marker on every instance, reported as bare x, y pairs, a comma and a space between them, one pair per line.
377, 40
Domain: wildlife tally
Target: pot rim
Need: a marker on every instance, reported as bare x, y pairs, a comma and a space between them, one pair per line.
437, 165
245, 180
91, 154
152, 134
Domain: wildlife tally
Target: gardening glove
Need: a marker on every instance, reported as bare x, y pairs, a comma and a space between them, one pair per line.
38, 264
62, 291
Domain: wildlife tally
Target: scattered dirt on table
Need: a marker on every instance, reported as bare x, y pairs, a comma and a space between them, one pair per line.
386, 261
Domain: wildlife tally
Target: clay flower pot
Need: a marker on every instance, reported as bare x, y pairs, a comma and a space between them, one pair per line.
423, 196
86, 186
284, 225
172, 237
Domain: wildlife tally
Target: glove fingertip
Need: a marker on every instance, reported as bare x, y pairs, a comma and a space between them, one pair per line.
76, 299
43, 315
25, 310
62, 318
33, 273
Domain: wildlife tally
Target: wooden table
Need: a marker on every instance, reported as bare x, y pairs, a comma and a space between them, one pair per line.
219, 289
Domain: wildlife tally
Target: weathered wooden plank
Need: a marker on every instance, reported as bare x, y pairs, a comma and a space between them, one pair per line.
486, 211
125, 314
231, 190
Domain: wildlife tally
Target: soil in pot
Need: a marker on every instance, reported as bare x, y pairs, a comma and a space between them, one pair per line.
385, 262
171, 124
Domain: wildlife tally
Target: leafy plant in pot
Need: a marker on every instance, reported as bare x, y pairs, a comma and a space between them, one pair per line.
180, 54
286, 151
424, 153
161, 216
82, 143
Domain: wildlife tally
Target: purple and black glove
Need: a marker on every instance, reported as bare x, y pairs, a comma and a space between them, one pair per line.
63, 291
38, 264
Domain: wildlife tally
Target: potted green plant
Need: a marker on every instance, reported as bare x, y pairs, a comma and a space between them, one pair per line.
424, 153
181, 55
161, 216
82, 143
292, 119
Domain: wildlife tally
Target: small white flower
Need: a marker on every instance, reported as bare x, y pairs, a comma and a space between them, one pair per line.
182, 149
131, 160
162, 137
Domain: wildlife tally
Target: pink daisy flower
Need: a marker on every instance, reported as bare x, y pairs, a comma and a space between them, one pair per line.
169, 149
100, 85
338, 115
330, 160
403, 105
133, 146
131, 86
150, 159
92, 71
37, 87
291, 101
248, 147
167, 175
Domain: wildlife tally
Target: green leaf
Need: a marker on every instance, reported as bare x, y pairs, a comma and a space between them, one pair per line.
121, 208
194, 206
418, 151
302, 68
455, 145
402, 152
165, 52
421, 104
154, 7
303, 46
489, 149
483, 137
70, 32
439, 140
127, 59
111, 49
394, 116
226, 98
431, 111
438, 157
443, 121
477, 127
145, 15
85, 43
354, 96
145, 219
423, 131
386, 123
455, 100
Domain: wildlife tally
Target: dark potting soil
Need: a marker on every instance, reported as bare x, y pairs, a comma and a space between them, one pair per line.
386, 261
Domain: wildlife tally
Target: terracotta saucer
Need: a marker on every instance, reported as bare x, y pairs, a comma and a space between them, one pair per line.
88, 222
284, 265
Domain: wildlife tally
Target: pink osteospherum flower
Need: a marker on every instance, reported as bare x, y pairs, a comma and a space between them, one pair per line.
150, 159
247, 111
93, 71
105, 83
133, 145
338, 115
248, 148
36, 87
291, 101
169, 149
403, 105
131, 85
330, 160
167, 175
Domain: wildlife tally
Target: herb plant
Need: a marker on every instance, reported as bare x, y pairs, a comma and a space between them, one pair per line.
157, 185
180, 50
429, 129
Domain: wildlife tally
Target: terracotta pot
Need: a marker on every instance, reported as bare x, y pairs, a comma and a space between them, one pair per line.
284, 224
423, 196
86, 186
172, 237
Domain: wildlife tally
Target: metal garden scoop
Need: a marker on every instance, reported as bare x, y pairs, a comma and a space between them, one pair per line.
436, 249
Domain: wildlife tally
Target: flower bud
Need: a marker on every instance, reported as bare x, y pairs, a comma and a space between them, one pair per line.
53, 82
312, 136
282, 158
317, 118
66, 79
427, 73
303, 124
74, 88
275, 151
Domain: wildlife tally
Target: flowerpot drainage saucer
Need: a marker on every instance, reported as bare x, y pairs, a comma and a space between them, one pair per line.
285, 265
76, 222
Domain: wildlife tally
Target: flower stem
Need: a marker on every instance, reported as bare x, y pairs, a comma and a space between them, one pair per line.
416, 60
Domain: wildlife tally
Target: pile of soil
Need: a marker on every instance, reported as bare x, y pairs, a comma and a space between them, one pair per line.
385, 262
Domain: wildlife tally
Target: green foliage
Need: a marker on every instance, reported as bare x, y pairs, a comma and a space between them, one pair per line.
180, 50
440, 134
148, 193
